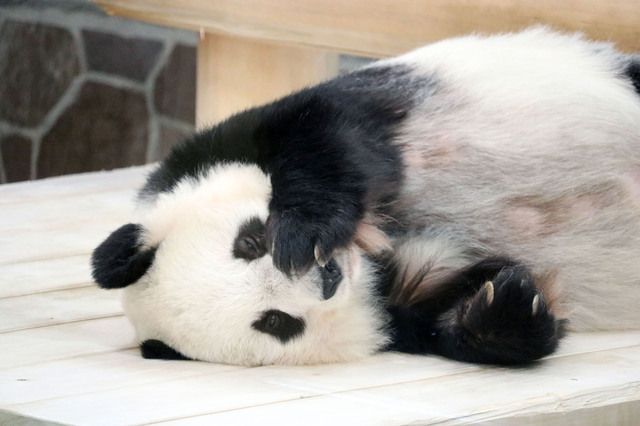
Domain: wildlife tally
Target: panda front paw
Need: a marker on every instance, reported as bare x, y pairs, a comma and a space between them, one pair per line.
508, 320
297, 239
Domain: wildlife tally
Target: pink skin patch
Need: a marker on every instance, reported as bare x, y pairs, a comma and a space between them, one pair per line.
440, 152
631, 181
527, 221
530, 218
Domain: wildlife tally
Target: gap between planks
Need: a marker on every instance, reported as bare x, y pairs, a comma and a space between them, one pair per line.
45, 258
62, 322
71, 240
24, 278
51, 214
52, 290
48, 344
58, 307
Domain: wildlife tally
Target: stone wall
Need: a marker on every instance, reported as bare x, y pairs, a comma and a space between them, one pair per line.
83, 91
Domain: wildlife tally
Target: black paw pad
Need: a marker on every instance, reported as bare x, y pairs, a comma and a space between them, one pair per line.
509, 319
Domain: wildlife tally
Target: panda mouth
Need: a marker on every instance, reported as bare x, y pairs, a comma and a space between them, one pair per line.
331, 279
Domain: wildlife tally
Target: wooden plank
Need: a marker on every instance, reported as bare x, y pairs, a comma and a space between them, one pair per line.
382, 369
362, 393
116, 370
20, 279
73, 185
235, 74
93, 373
39, 243
54, 212
607, 378
67, 216
583, 343
102, 372
382, 27
57, 307
234, 389
47, 344
78, 339
620, 414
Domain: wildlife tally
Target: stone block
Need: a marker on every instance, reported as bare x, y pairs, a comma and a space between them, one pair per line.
169, 137
129, 57
175, 88
105, 128
16, 156
37, 65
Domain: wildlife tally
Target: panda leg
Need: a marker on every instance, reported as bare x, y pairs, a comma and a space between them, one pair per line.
491, 312
156, 349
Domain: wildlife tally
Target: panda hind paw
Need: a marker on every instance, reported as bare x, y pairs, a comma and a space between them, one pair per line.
509, 320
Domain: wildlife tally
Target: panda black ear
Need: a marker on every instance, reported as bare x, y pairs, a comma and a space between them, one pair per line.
121, 260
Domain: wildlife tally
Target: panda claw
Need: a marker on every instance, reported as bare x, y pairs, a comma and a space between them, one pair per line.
489, 291
536, 304
273, 246
320, 258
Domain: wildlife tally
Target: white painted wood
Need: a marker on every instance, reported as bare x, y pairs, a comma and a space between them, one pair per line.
71, 340
63, 186
19, 279
57, 307
240, 388
589, 380
620, 414
93, 373
582, 343
71, 239
151, 402
318, 395
56, 212
64, 216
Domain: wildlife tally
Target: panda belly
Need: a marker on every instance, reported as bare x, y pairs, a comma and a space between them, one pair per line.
552, 208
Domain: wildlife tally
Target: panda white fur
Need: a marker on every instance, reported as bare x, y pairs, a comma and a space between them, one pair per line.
473, 199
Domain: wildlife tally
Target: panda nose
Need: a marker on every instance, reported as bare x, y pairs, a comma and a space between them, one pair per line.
331, 277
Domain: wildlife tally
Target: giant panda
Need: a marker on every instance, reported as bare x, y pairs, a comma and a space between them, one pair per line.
473, 199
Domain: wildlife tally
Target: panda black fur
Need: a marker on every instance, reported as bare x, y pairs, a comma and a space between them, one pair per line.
472, 199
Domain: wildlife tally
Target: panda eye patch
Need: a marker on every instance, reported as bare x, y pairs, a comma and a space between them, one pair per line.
280, 325
250, 242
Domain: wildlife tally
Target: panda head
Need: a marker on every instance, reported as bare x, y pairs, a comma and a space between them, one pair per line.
198, 280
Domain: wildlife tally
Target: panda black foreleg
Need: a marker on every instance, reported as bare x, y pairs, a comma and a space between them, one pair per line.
329, 164
499, 317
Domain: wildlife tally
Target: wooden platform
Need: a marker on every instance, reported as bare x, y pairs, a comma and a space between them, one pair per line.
68, 355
